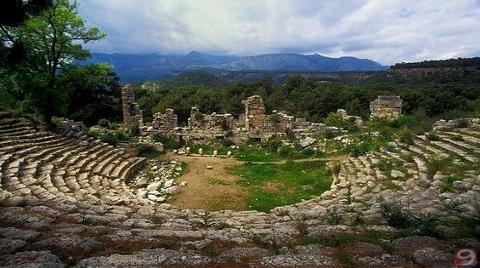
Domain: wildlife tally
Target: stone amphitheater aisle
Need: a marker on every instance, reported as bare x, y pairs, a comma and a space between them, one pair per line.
65, 203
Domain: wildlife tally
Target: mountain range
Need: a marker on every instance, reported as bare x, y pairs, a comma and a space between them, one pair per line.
137, 68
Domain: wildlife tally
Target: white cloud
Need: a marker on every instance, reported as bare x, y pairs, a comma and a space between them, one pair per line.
384, 30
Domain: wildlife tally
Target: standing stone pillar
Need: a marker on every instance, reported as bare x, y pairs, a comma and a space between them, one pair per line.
255, 116
132, 114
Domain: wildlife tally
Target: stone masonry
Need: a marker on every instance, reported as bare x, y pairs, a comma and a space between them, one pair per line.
255, 119
132, 114
65, 202
253, 123
165, 122
387, 107
213, 121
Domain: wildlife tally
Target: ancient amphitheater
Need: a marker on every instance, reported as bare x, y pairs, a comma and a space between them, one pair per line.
64, 202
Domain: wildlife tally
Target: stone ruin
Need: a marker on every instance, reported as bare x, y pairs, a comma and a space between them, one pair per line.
357, 120
255, 111
165, 122
65, 201
253, 123
214, 121
132, 114
386, 107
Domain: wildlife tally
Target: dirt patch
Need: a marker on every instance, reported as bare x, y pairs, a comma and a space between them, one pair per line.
211, 189
271, 186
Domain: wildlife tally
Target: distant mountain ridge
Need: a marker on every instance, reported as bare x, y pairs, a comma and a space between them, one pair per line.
136, 68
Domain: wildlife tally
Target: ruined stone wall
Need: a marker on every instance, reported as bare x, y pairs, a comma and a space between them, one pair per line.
213, 122
388, 107
255, 116
132, 114
254, 123
357, 120
279, 122
165, 122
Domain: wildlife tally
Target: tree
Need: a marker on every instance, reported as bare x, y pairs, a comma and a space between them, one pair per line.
52, 40
94, 93
12, 14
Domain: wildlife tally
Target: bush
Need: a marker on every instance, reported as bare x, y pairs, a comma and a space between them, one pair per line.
122, 136
309, 152
334, 119
104, 123
272, 144
396, 217
147, 150
404, 121
448, 182
227, 142
110, 138
438, 164
135, 131
359, 149
169, 143
115, 137
285, 151
462, 123
350, 127
432, 136
406, 136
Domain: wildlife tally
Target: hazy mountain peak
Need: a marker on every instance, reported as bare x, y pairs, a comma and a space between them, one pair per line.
152, 66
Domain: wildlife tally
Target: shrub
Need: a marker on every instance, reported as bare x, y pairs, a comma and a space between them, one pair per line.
462, 123
290, 135
448, 182
309, 152
359, 149
350, 127
404, 121
438, 164
396, 217
426, 224
272, 144
122, 136
432, 136
115, 137
147, 150
227, 142
110, 138
285, 151
334, 119
104, 123
135, 130
169, 143
406, 136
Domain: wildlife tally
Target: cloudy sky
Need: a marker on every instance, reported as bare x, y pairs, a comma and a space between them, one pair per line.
387, 31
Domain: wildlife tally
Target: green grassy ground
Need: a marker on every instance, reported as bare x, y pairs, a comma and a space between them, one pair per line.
273, 185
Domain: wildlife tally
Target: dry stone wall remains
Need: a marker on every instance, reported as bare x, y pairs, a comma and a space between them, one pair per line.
386, 107
253, 123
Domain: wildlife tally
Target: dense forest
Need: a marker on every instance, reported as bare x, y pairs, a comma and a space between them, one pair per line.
451, 63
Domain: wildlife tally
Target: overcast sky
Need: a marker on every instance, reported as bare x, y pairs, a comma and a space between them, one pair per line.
387, 31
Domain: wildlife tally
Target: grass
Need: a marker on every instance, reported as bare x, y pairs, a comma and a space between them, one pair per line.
272, 185
254, 154
448, 182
